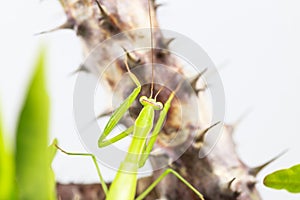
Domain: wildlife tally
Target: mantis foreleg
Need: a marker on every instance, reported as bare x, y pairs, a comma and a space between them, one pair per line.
156, 130
118, 114
117, 137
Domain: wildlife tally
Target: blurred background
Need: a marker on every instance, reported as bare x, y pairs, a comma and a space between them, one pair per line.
256, 45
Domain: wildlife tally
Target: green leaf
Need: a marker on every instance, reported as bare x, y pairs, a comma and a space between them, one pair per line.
6, 169
52, 151
51, 154
33, 174
288, 179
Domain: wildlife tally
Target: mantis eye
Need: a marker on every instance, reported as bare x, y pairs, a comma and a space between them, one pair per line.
158, 106
143, 99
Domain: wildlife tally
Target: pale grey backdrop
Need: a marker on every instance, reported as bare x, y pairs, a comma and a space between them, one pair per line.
255, 43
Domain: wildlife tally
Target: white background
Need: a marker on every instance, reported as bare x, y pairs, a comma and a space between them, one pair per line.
258, 39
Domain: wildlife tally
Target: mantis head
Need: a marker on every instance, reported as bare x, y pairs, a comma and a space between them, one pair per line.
151, 102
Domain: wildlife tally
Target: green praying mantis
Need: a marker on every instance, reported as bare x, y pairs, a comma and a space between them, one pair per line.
124, 184
144, 134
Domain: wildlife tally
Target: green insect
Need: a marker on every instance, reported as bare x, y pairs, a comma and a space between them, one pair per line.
125, 181
124, 184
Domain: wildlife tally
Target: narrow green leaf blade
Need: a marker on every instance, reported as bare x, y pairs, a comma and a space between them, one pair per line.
32, 165
51, 182
288, 179
52, 151
6, 169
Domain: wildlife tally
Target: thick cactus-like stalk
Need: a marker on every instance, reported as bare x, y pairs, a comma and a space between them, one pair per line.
221, 175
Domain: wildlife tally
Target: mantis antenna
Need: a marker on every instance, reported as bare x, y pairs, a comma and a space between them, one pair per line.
151, 38
158, 92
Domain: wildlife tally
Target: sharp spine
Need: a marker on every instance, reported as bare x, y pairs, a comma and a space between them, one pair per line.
107, 21
70, 24
199, 138
230, 182
131, 57
195, 79
102, 9
238, 121
105, 114
156, 5
81, 68
168, 41
255, 170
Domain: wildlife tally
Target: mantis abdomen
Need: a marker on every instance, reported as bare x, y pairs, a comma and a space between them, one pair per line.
124, 184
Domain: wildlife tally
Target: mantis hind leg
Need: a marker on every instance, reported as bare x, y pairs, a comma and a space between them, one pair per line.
162, 176
103, 184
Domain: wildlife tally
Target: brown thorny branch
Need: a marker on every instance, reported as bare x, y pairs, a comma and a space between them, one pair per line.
221, 175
